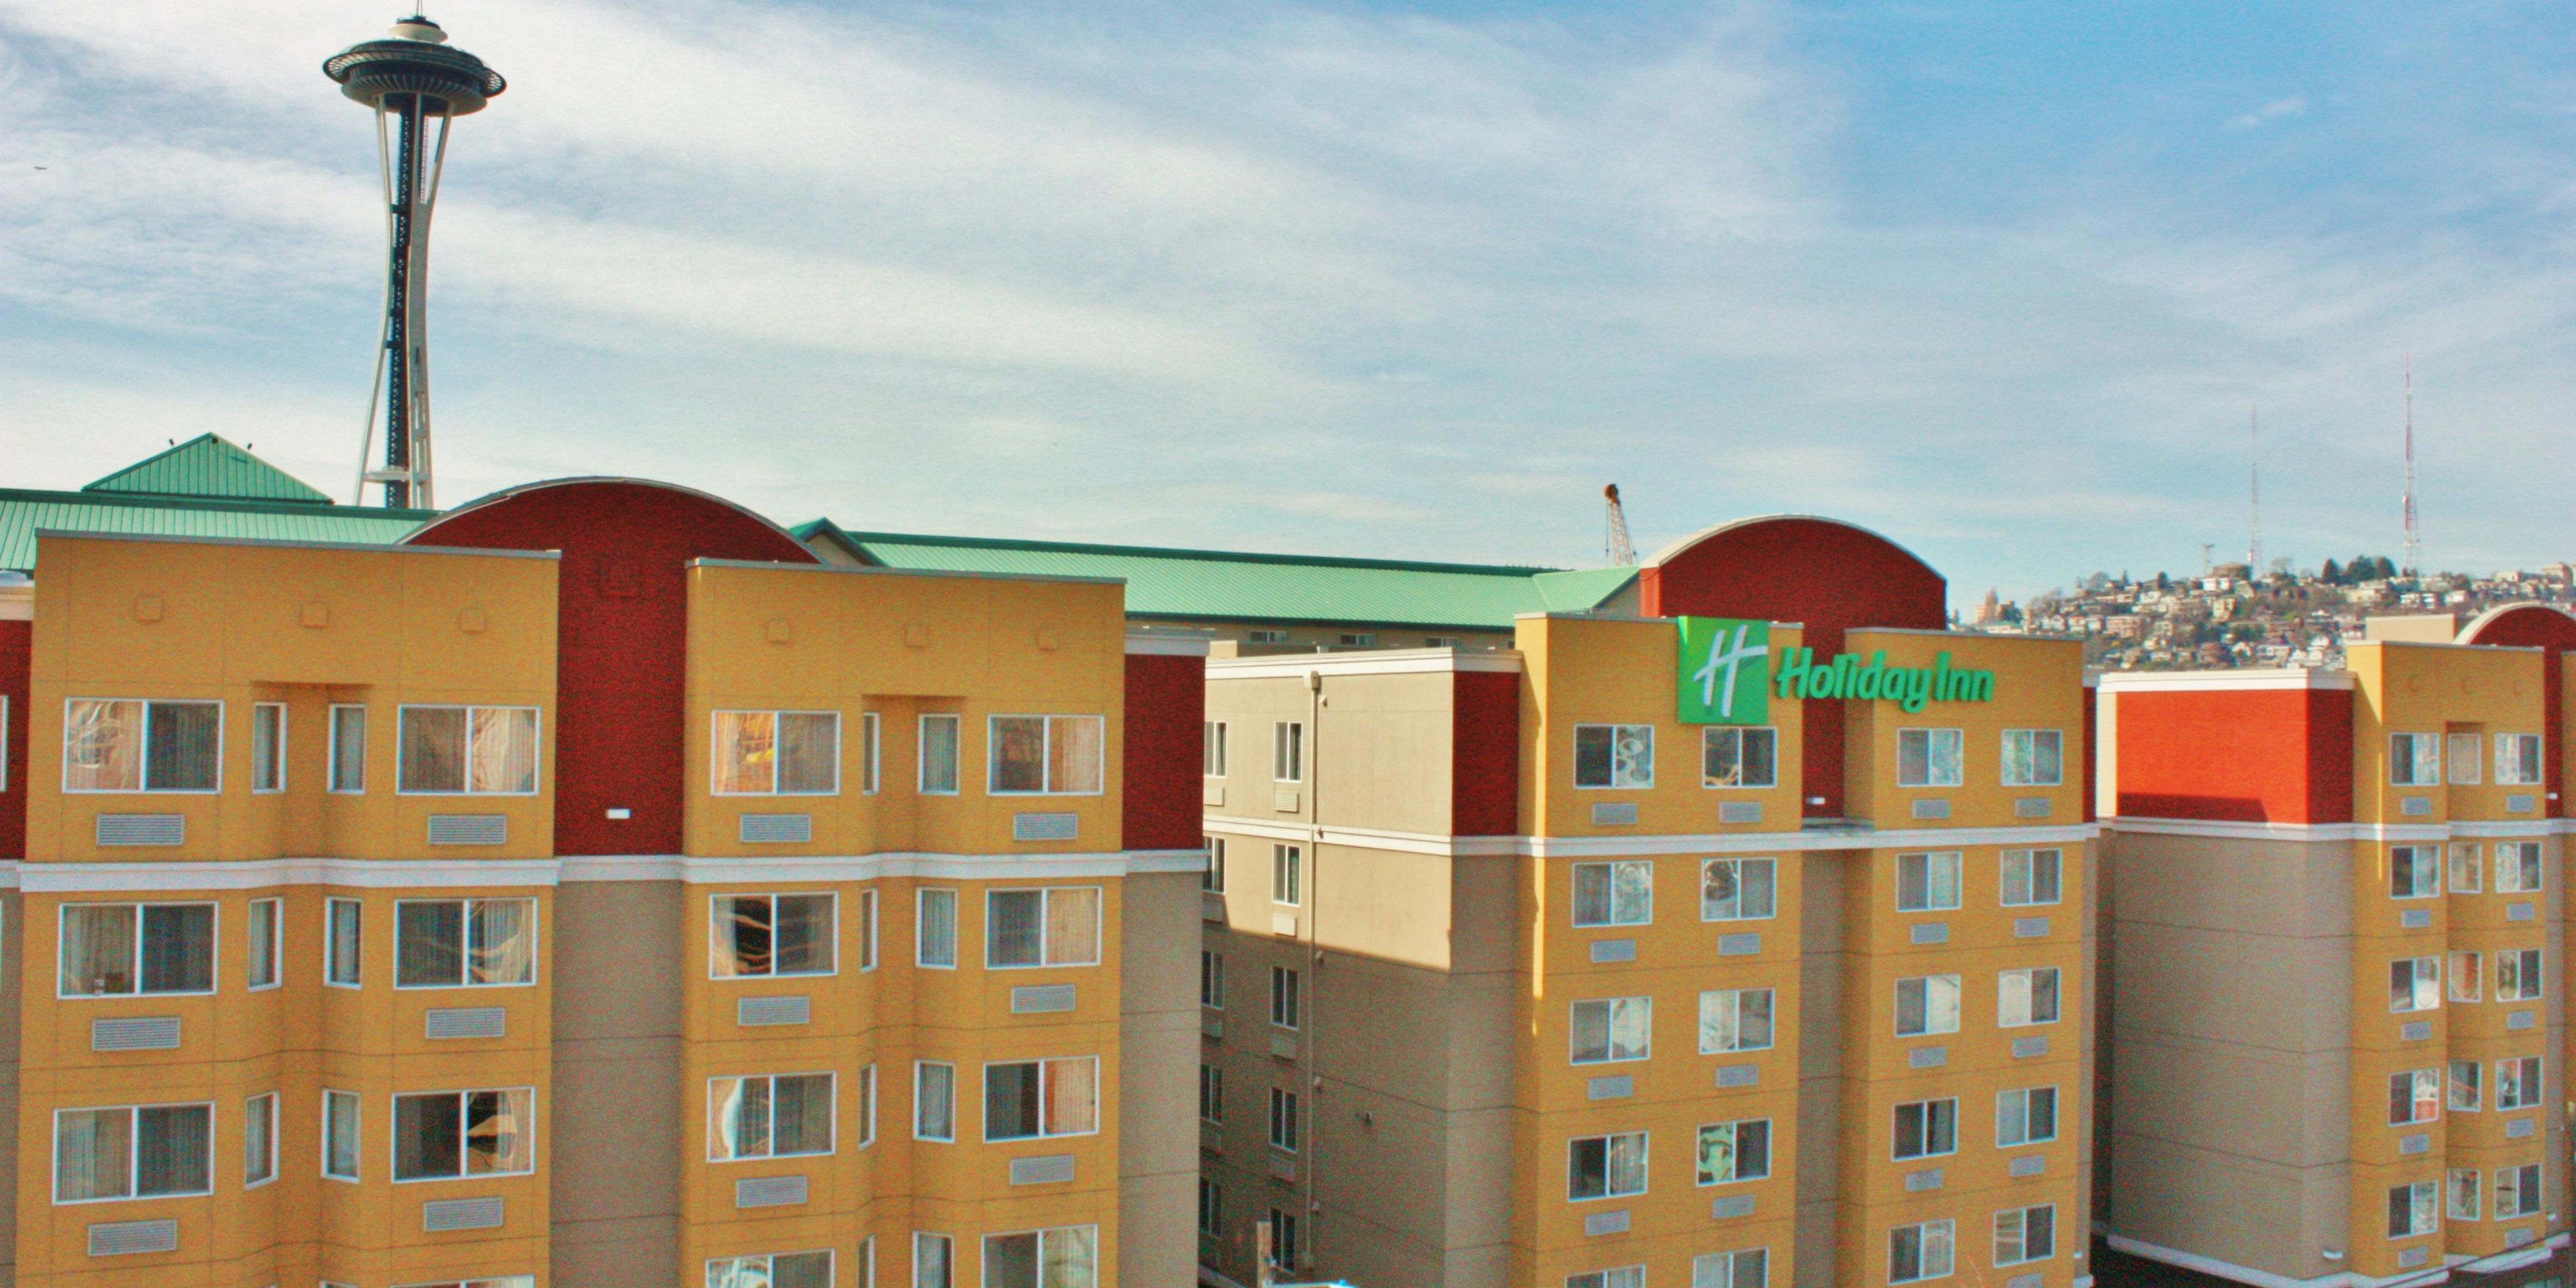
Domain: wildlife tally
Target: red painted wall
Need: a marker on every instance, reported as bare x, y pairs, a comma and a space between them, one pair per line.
17, 658
1166, 715
2554, 633
2092, 740
1485, 754
2243, 755
1830, 576
622, 638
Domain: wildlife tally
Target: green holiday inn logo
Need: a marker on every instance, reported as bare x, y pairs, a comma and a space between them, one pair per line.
1727, 675
1724, 664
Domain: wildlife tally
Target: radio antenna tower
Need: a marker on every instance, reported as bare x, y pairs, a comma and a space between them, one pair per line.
410, 78
2254, 494
1615, 546
2414, 534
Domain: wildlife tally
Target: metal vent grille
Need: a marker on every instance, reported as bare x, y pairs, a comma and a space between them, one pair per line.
2521, 912
2415, 918
1045, 827
142, 829
1614, 950
135, 1033
1620, 814
1610, 1088
1046, 1169
1741, 944
1919, 1182
2519, 803
1599, 1223
1739, 1075
2029, 1165
468, 829
2415, 1031
461, 1214
2521, 1127
1929, 932
2025, 1048
777, 829
467, 1022
1041, 999
2415, 805
2522, 1019
2031, 807
1927, 1057
769, 1191
2030, 927
126, 1238
1931, 809
1733, 1205
1739, 812
754, 1012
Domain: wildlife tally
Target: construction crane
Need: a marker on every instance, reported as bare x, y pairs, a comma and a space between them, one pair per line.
1615, 546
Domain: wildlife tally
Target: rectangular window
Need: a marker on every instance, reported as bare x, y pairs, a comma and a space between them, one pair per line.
935, 929
1288, 751
1211, 1208
2461, 1194
449, 1134
1614, 894
1064, 1258
1211, 979
2465, 1083
267, 747
2026, 997
1030, 1099
938, 768
1739, 889
1287, 873
267, 941
2414, 871
2415, 984
2414, 1096
1285, 1006
2414, 760
1927, 1004
1265, 637
769, 1116
1734, 1019
2518, 867
1212, 749
116, 949
871, 752
2517, 759
1737, 1151
2025, 1116
769, 1270
1619, 756
1044, 755
1731, 757
1927, 1128
1212, 878
2467, 758
2468, 872
2517, 1191
473, 751
2468, 977
1748, 1268
757, 936
464, 943
2034, 758
1211, 1094
1605, 1167
124, 745
2411, 1209
1611, 1029
1623, 1277
2517, 972
2025, 1234
1929, 758
931, 1261
1283, 1239
867, 1105
259, 1140
1283, 1120
1927, 882
867, 930
777, 753
340, 1135
133, 1152
1917, 1252
1058, 926
348, 749
934, 1100
2517, 1083
2032, 877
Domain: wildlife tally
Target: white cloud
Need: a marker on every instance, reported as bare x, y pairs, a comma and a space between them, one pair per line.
2279, 109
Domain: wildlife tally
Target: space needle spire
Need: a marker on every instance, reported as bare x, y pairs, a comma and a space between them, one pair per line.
411, 77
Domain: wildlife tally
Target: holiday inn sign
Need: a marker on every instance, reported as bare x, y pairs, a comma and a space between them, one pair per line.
1728, 675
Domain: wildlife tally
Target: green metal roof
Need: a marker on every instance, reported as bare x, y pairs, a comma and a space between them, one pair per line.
22, 512
209, 466
1219, 585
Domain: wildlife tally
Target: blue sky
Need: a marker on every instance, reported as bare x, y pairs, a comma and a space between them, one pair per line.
2001, 280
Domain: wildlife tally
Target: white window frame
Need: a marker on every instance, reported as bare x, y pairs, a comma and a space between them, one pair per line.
2035, 737
921, 899
1288, 869
867, 931
831, 1130
2452, 1208
1610, 1008
2402, 762
2056, 866
1957, 1004
1945, 1231
1645, 1166
2416, 967
1932, 864
2508, 753
1708, 867
923, 1241
143, 750
2474, 1084
1737, 1126
393, 1130
2413, 864
356, 1106
2026, 1095
1046, 1096
536, 747
1212, 748
2465, 872
1709, 738
1729, 1269
2415, 1081
871, 753
1930, 1113
2030, 990
2024, 1214
277, 754
1618, 733
1932, 739
250, 1122
777, 769
465, 950
1046, 926
2435, 1207
867, 1114
1046, 755
767, 1265
1212, 1093
1212, 877
333, 782
133, 1152
1287, 1124
1045, 1237
2530, 984
920, 1072
833, 940
2511, 852
2464, 975
214, 949
276, 944
2527, 1198
2464, 759
1288, 751
921, 753
1736, 996
1211, 1208
1287, 998
2529, 1083
4, 742
1609, 869
1212, 979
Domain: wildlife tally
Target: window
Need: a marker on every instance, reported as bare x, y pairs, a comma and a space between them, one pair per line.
1284, 1246
464, 943
2460, 1196
116, 949
2517, 1191
777, 753
1738, 889
122, 745
931, 1261
1211, 1208
772, 1270
1288, 752
1044, 755
935, 929
1925, 1128
1613, 1028
1063, 1258
2032, 877
1031, 1099
867, 1105
348, 748
2467, 976
1359, 639
1287, 863
2518, 867
2415, 984
1211, 1093
1265, 637
1285, 1008
2467, 872
133, 1152
2414, 871
1928, 758
938, 771
867, 930
2025, 1116
757, 936
1750, 1268
1440, 641
2414, 760
1927, 1004
871, 752
2517, 759
2025, 1234
1614, 894
1058, 926
1734, 1019
1623, 1277
1212, 879
2466, 758
268, 747
2518, 975
934, 1100
259, 1140
472, 751
2464, 1085
2517, 1083
2027, 997
449, 1134
1212, 749
2411, 1209
1737, 1151
1614, 756
769, 1116
2034, 758
340, 1121
1920, 1251
2414, 1096
1283, 1119
1605, 1167
1211, 979
1927, 882
1733, 757
267, 941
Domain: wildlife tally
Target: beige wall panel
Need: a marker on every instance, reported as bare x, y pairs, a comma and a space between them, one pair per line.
2248, 1213
2265, 991
1379, 903
1388, 1173
12, 914
1159, 942
1485, 1267
1384, 759
2251, 887
1157, 1242
2286, 1108
617, 959
1816, 1245
621, 1254
1371, 1023
1484, 913
616, 1132
1479, 1188
1481, 1015
1158, 1071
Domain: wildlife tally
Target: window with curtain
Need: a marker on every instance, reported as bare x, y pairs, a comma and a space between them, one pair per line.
340, 1135
931, 1266
1734, 1019
2032, 877
2026, 997
1614, 756
1737, 1151
1062, 1258
2517, 759
2025, 1116
1745, 1268
1926, 1128
119, 949
769, 1116
1930, 758
781, 753
1928, 882
1927, 1004
1044, 755
464, 943
1621, 893
1600, 1167
1923, 1251
473, 751
2414, 760
343, 939
934, 1100
1029, 1099
939, 755
1609, 1029
268, 747
1731, 757
2025, 1234
756, 936
2518, 867
132, 1152
449, 1134
2034, 758
1059, 926
772, 1270
348, 748
935, 939
267, 941
2468, 758
134, 745
1738, 889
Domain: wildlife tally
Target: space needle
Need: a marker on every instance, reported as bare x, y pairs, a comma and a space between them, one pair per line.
410, 77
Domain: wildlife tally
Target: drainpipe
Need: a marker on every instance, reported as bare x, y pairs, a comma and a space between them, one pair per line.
1314, 999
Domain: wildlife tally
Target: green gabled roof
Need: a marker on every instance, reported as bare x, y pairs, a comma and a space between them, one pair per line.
209, 466
23, 512
1221, 585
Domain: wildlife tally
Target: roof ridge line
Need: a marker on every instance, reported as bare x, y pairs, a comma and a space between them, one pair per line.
1183, 552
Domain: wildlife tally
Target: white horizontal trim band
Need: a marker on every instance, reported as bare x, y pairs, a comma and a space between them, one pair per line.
407, 874
2116, 682
1612, 846
2321, 833
1401, 661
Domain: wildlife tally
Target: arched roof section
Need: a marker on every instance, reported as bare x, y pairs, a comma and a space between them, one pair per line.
2522, 626
619, 510
1831, 575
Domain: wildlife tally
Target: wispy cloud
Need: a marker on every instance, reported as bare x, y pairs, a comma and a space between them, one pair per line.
2279, 109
